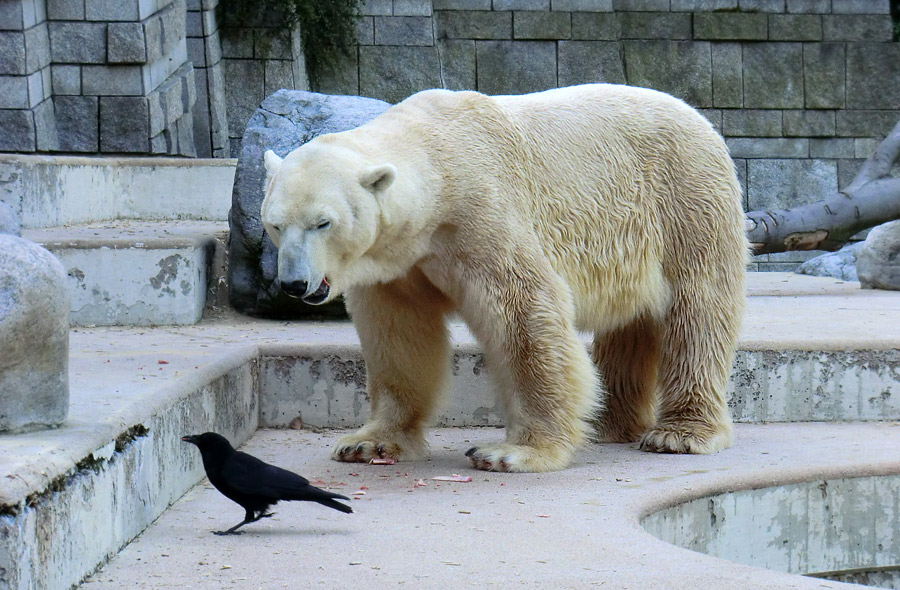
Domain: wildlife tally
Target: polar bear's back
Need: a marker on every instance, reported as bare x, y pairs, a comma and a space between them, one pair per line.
607, 177
563, 139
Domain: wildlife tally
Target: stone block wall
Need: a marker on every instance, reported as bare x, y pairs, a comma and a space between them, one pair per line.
89, 76
205, 53
26, 108
258, 61
802, 90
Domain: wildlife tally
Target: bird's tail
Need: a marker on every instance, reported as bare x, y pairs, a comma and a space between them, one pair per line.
325, 498
331, 503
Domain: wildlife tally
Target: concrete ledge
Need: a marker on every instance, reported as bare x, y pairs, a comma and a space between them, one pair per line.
57, 536
823, 527
50, 191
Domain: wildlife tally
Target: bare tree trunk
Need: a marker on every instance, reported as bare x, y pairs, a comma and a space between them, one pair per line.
871, 199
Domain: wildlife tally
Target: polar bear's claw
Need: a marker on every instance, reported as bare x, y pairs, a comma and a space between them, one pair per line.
362, 448
518, 458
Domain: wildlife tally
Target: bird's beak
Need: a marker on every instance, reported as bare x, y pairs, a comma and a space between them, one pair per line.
190, 438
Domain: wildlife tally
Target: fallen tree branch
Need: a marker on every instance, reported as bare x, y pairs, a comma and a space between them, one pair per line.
871, 199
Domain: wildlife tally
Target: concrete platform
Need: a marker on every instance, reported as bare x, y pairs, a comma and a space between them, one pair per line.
70, 498
578, 528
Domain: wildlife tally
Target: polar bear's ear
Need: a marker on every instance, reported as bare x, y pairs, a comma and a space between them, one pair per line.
378, 178
273, 161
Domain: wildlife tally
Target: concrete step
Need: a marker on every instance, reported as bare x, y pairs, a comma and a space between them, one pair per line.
72, 497
53, 191
143, 273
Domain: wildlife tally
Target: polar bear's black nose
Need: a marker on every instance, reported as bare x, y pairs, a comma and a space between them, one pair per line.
294, 288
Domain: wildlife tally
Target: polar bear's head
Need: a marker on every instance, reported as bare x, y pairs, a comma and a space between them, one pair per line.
322, 211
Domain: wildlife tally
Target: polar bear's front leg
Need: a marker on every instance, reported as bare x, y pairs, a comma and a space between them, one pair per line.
407, 351
545, 378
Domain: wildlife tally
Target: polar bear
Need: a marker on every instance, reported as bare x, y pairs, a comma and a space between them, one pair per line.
602, 208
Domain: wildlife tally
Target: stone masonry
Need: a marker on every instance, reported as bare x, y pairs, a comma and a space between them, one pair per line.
265, 59
205, 52
88, 76
26, 108
801, 89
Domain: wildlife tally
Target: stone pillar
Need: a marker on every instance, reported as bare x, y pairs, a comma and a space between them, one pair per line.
26, 109
122, 82
34, 336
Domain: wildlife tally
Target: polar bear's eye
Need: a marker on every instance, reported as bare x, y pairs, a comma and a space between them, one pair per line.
323, 225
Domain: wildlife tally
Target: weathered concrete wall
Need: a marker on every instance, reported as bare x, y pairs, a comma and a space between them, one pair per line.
817, 527
142, 240
48, 191
135, 286
54, 538
766, 386
330, 390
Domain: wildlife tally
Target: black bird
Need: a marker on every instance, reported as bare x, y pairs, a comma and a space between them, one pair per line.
252, 483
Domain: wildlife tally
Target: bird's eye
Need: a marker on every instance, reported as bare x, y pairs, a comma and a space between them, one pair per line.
276, 229
324, 225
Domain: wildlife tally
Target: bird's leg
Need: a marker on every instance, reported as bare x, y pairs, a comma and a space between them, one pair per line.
251, 516
233, 530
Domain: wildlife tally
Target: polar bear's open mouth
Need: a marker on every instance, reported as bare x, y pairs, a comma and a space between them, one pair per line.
318, 296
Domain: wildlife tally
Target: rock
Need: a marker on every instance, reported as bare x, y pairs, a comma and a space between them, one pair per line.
840, 264
34, 336
878, 261
9, 221
284, 121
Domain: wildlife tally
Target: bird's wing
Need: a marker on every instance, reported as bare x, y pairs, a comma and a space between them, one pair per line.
249, 475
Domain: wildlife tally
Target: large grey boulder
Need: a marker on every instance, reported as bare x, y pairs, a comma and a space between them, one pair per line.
34, 336
878, 261
840, 265
284, 121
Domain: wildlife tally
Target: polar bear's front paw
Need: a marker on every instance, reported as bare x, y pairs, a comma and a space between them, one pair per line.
360, 448
687, 437
518, 458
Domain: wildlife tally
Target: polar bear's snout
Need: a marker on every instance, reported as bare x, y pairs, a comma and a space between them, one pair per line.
300, 290
298, 277
295, 289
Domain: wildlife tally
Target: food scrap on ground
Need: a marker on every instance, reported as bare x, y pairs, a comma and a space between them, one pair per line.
384, 461
455, 477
